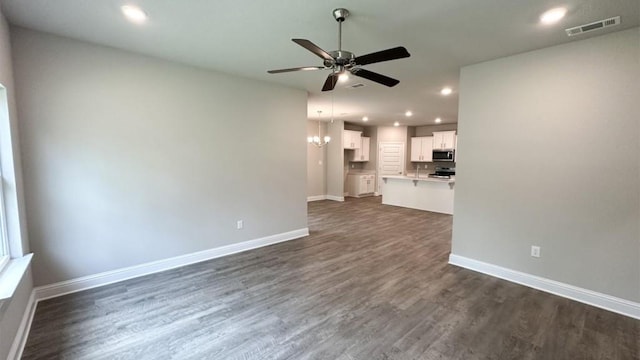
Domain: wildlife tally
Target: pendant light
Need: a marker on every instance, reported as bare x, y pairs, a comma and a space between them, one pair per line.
318, 140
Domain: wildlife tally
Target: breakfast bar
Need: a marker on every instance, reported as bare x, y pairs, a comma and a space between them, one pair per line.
422, 193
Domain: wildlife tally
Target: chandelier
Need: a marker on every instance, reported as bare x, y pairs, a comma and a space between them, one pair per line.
318, 140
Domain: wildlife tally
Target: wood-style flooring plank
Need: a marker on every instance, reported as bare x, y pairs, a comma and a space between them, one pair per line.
371, 281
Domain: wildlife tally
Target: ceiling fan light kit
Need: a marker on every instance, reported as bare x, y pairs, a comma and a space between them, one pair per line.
341, 61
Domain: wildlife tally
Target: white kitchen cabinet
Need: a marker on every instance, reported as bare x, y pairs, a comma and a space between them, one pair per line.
362, 153
444, 140
422, 149
360, 184
351, 139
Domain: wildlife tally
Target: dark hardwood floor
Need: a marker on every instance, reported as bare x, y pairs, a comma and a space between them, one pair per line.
370, 282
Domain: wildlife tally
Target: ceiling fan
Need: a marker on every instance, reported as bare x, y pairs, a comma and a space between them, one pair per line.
341, 61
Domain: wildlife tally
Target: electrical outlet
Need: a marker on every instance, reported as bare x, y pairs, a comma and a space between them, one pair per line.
535, 251
240, 224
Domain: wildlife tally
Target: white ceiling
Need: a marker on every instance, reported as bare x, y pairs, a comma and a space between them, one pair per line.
247, 38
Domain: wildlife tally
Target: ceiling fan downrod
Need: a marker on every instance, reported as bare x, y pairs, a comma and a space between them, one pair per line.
340, 14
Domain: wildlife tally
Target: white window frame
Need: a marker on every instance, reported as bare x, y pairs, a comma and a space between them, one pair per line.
5, 253
4, 238
6, 246
14, 263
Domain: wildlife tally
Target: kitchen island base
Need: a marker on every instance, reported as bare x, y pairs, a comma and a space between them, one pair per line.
419, 193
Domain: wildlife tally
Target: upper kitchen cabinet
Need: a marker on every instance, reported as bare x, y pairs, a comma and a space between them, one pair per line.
352, 139
362, 153
422, 149
444, 140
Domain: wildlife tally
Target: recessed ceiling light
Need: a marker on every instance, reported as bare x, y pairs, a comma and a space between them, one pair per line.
446, 91
438, 120
134, 14
343, 77
396, 124
364, 118
553, 16
408, 113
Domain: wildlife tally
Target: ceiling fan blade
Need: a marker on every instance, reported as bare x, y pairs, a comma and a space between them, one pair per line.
384, 55
313, 48
304, 68
330, 83
379, 78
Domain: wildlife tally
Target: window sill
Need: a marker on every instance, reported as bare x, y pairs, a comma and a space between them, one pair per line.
11, 275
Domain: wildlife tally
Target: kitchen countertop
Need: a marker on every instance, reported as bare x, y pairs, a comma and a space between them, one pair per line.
422, 193
361, 172
421, 178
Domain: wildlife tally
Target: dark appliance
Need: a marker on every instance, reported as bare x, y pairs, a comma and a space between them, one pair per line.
444, 155
443, 172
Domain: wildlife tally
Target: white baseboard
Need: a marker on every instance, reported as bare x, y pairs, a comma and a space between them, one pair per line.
603, 301
316, 198
335, 198
114, 276
110, 277
15, 353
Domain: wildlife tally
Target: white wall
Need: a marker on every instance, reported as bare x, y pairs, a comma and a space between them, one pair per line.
565, 123
428, 130
392, 134
11, 312
316, 163
130, 159
335, 161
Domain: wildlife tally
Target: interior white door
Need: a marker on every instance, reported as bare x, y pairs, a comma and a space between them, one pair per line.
390, 160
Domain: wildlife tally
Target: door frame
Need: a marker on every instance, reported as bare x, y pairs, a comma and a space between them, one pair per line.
381, 144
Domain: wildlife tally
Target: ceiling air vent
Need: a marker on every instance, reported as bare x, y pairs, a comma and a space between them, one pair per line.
593, 26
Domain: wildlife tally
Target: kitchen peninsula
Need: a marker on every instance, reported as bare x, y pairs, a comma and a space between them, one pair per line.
422, 193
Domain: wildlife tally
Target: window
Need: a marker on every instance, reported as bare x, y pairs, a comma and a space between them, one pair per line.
4, 239
4, 145
13, 262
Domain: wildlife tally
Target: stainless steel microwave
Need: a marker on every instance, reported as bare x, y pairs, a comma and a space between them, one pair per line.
444, 155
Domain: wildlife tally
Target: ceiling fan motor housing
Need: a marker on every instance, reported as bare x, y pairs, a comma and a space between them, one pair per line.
340, 14
340, 57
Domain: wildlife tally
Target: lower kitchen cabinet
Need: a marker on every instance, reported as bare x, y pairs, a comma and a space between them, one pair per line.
360, 184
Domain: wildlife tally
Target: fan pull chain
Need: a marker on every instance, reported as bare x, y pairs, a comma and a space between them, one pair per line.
332, 107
